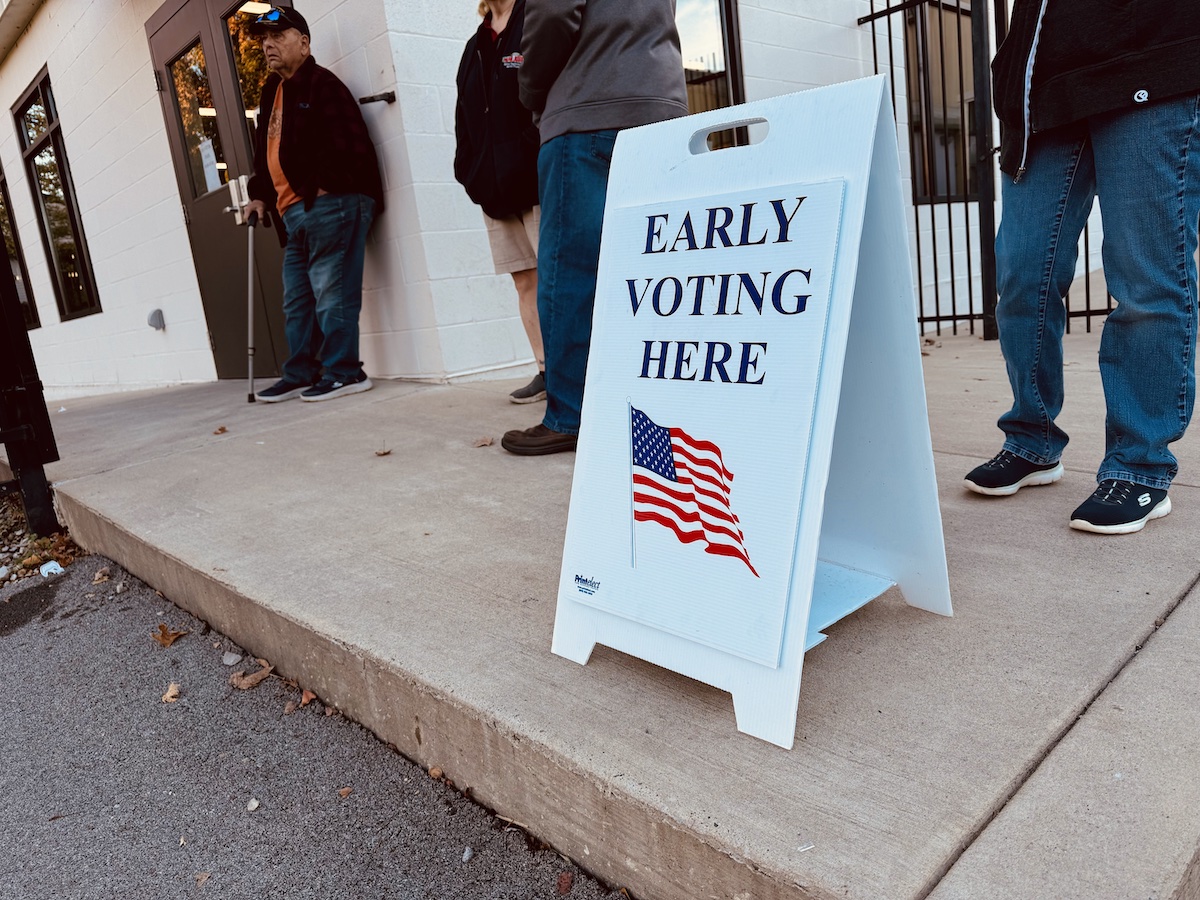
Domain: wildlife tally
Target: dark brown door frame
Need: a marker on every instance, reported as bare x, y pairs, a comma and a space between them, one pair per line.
218, 246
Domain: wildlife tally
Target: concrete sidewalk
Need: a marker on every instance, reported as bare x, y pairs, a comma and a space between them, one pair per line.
1043, 743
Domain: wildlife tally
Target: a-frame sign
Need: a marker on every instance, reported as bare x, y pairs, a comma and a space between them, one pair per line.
755, 461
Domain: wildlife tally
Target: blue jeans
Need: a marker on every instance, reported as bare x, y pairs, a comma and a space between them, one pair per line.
322, 286
1144, 164
572, 181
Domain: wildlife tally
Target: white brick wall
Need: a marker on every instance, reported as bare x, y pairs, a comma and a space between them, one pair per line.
474, 324
789, 46
100, 71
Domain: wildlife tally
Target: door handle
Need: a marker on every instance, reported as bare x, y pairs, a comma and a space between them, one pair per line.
239, 196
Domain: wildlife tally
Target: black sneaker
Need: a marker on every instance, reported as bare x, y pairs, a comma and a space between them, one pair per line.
281, 390
1120, 507
1006, 473
328, 388
532, 392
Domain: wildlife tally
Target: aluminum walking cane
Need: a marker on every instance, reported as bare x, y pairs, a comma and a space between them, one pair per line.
251, 224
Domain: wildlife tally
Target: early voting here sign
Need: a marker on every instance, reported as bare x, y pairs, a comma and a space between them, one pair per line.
754, 461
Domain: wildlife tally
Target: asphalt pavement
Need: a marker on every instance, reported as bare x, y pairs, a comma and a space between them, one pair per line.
114, 787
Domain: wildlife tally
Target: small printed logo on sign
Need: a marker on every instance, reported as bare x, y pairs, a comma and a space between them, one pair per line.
513, 61
587, 586
1144, 500
1141, 96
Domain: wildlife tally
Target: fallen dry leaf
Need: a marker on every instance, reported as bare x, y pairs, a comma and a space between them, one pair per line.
435, 773
483, 442
30, 562
172, 693
202, 877
565, 882
221, 430
290, 708
167, 636
383, 452
307, 697
345, 792
101, 576
329, 711
244, 682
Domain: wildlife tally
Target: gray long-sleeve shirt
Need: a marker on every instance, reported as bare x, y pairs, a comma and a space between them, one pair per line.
592, 65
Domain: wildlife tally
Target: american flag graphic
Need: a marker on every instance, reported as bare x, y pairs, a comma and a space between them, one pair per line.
683, 484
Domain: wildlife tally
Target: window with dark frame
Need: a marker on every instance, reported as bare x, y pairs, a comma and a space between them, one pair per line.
16, 259
54, 196
711, 46
939, 67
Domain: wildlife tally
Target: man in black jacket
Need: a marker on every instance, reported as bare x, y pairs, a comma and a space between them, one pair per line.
317, 173
1099, 100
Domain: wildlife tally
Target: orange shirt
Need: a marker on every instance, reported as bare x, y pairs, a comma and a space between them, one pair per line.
274, 129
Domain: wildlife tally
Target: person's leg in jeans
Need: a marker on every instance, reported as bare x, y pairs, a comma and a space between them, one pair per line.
1037, 246
1148, 177
299, 304
1036, 250
336, 236
573, 179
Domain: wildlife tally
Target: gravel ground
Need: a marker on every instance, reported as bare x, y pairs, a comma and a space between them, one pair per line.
110, 791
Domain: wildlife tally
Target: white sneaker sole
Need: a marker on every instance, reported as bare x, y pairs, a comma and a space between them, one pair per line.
1162, 509
532, 398
1047, 476
356, 388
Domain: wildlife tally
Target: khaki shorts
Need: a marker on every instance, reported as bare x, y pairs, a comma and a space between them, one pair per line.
514, 240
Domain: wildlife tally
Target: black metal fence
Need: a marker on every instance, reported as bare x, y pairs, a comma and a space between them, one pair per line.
938, 54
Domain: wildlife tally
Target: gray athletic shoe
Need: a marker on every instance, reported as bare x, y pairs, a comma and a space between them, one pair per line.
532, 392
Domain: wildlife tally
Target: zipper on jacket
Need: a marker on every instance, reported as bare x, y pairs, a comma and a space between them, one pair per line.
1027, 91
483, 77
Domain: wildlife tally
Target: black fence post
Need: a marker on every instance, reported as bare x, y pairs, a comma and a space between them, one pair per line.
985, 162
24, 420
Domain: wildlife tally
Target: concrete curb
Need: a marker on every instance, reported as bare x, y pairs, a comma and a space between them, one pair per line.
504, 771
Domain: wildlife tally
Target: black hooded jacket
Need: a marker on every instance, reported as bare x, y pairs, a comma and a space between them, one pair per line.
324, 144
1079, 58
496, 156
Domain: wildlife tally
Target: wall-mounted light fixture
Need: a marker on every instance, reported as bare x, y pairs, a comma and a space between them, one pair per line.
156, 321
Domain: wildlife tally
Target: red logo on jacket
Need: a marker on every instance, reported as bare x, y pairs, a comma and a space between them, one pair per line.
513, 61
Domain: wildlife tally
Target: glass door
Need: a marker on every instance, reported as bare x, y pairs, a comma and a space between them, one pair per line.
209, 71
